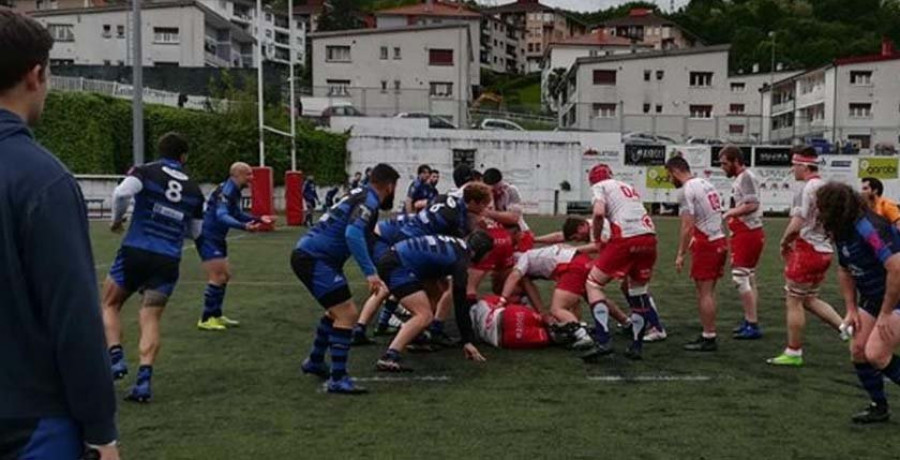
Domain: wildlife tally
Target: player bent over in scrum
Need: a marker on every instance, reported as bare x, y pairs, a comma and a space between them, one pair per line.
223, 212
168, 206
807, 252
413, 265
702, 234
630, 254
569, 268
318, 261
869, 256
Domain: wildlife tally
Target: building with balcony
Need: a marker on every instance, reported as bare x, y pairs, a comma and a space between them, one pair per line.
542, 25
387, 71
276, 40
643, 26
29, 6
850, 100
182, 33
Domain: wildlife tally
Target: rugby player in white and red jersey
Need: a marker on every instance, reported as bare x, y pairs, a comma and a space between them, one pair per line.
629, 255
744, 220
701, 232
508, 209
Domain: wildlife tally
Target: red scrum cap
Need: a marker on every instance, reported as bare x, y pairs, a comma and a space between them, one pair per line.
599, 173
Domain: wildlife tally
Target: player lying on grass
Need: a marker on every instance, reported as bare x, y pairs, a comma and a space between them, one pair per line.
318, 261
629, 255
806, 251
412, 269
168, 207
446, 215
223, 212
869, 256
569, 269
701, 233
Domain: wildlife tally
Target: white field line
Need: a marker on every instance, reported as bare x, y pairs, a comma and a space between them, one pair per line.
185, 248
652, 378
417, 378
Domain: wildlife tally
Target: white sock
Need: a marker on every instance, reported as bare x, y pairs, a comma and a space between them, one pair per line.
708, 335
791, 352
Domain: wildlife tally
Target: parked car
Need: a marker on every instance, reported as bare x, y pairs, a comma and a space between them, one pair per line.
434, 121
704, 141
496, 124
316, 107
647, 139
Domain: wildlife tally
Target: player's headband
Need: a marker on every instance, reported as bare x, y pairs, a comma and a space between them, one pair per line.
799, 159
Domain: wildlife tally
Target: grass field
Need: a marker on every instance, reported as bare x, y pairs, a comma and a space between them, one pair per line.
240, 394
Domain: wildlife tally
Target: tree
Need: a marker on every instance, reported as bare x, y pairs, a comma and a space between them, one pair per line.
340, 15
554, 83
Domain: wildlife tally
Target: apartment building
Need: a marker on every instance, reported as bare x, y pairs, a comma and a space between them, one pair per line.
542, 25
645, 27
307, 12
678, 93
28, 6
386, 71
850, 100
182, 33
502, 45
276, 37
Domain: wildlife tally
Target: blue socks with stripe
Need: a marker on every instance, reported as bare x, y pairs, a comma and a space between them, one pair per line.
872, 381
384, 316
339, 342
600, 312
320, 344
213, 298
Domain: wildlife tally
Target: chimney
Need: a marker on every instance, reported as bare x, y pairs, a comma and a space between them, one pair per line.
887, 47
429, 5
779, 67
755, 68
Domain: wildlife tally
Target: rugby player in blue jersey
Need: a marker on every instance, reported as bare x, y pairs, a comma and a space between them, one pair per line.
420, 192
868, 248
168, 207
318, 261
223, 213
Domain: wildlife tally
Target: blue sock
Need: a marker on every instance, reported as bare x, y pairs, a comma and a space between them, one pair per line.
872, 381
340, 350
116, 354
892, 371
213, 298
436, 327
391, 355
359, 329
320, 344
652, 315
144, 373
384, 316
600, 312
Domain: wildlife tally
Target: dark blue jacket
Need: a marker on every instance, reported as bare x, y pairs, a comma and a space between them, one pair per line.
53, 358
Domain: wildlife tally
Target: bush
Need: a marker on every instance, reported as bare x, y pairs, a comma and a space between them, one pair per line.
91, 134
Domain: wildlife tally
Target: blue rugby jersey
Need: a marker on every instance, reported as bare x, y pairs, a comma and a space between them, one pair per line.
419, 190
346, 228
864, 254
163, 209
223, 212
446, 215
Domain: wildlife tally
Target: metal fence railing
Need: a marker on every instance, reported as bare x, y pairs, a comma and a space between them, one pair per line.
124, 91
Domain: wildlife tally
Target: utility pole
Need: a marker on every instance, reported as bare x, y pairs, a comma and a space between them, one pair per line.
137, 83
772, 69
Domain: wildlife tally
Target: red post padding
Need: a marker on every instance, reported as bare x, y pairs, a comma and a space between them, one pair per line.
261, 195
293, 197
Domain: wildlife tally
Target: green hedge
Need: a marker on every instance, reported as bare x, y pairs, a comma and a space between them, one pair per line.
91, 134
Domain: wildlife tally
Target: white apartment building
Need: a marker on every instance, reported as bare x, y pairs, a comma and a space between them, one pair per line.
276, 29
678, 93
182, 33
855, 100
644, 26
502, 45
386, 71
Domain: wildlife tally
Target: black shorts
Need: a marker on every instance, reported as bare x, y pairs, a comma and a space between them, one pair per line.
400, 280
141, 270
326, 283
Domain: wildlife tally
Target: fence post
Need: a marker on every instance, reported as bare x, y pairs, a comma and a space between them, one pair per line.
80, 83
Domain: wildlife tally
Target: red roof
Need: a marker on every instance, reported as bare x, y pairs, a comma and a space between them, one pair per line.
598, 37
888, 53
437, 8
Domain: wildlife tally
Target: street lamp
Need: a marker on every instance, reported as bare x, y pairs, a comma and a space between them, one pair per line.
772, 68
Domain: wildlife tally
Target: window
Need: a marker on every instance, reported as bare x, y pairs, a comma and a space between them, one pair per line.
383, 86
735, 129
863, 140
441, 89
646, 108
861, 77
440, 57
268, 17
120, 31
165, 64
107, 31
605, 77
736, 109
701, 111
269, 33
62, 32
337, 54
166, 35
61, 62
530, 47
738, 87
647, 75
106, 62
605, 110
396, 86
658, 108
384, 52
860, 110
338, 87
701, 79
594, 53
495, 42
660, 74
396, 52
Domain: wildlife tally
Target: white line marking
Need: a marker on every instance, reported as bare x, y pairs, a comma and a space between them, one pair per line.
422, 378
185, 248
650, 378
